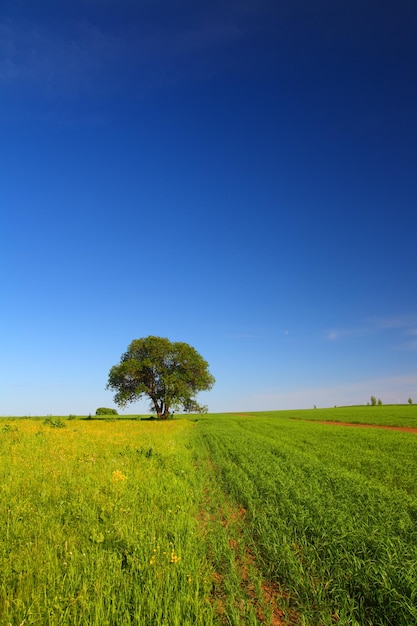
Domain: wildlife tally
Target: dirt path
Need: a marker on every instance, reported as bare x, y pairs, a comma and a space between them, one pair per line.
223, 529
404, 429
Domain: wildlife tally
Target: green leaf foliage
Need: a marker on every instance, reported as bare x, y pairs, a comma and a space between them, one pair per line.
104, 411
169, 373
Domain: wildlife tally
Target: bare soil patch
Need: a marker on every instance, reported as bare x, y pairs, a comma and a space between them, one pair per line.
264, 596
404, 429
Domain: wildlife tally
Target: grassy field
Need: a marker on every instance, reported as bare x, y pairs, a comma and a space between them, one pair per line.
385, 415
220, 519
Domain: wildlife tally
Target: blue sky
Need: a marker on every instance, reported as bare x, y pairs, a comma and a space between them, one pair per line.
238, 175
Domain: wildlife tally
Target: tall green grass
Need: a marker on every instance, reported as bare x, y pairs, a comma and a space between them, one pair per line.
212, 520
99, 525
117, 523
333, 513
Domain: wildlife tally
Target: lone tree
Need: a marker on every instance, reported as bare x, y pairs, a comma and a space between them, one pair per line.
169, 373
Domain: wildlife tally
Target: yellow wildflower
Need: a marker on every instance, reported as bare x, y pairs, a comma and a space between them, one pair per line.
174, 558
118, 477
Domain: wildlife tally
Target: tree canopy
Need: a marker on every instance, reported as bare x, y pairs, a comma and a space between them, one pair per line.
169, 373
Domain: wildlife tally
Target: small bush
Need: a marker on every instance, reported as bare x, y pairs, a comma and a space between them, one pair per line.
9, 429
104, 411
54, 423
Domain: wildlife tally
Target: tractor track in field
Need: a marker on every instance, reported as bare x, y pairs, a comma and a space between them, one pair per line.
264, 596
404, 429
267, 598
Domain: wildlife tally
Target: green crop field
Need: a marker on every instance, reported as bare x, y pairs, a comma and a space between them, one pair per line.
388, 415
257, 518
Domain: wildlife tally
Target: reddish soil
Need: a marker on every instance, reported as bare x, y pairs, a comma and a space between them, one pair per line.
267, 600
270, 593
404, 429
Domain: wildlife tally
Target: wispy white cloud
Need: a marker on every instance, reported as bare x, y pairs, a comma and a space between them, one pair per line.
411, 342
33, 54
73, 57
343, 333
391, 389
405, 324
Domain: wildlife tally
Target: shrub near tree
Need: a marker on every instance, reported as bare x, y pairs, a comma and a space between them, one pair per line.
169, 374
103, 411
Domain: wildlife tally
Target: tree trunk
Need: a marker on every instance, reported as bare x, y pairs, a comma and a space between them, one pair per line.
161, 409
165, 413
158, 407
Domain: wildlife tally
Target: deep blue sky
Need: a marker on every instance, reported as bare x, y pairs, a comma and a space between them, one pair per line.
239, 175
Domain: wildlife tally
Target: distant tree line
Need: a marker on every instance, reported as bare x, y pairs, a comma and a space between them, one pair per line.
375, 402
378, 402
